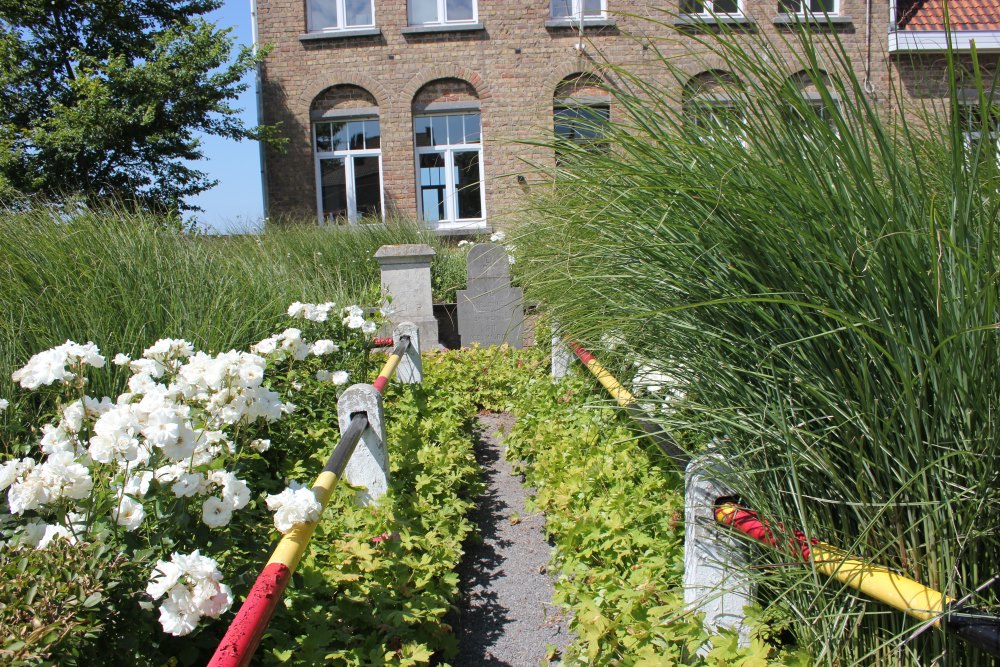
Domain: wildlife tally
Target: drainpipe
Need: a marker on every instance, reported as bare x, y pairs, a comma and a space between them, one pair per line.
260, 110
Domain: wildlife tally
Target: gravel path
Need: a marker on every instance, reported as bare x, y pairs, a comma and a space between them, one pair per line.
506, 616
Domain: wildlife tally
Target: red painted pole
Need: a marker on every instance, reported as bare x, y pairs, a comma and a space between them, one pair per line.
246, 630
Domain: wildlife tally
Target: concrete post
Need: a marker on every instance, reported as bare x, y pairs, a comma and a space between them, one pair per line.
715, 575
562, 356
406, 277
369, 465
410, 369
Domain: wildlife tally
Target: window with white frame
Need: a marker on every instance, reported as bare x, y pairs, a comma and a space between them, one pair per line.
449, 154
805, 7
348, 170
580, 126
979, 128
707, 7
573, 10
442, 12
334, 15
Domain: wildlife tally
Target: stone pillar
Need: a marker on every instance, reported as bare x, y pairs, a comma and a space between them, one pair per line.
406, 277
490, 311
410, 369
369, 465
715, 575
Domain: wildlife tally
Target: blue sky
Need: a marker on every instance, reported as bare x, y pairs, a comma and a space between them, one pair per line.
235, 203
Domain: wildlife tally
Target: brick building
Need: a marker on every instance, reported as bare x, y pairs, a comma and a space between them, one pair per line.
419, 108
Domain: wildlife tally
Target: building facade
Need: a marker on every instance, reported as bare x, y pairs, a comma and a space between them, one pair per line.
426, 109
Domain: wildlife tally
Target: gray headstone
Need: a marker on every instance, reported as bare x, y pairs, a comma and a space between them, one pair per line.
490, 311
406, 277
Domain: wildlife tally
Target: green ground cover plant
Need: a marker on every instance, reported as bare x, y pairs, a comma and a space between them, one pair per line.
816, 283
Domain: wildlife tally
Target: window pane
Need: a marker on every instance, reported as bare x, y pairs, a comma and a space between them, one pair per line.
356, 134
333, 190
373, 138
459, 10
562, 9
456, 134
592, 7
726, 6
432, 186
339, 132
439, 125
470, 203
472, 128
367, 187
422, 131
692, 6
322, 14
790, 6
423, 11
359, 12
822, 6
323, 143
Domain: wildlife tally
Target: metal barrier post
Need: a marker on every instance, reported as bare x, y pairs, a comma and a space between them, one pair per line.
562, 357
715, 575
410, 369
369, 465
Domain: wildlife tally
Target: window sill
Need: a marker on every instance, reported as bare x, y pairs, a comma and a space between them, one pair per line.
710, 20
588, 24
811, 19
465, 228
443, 27
340, 34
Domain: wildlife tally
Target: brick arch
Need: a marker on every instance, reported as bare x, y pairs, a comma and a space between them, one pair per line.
319, 83
560, 74
429, 74
803, 80
706, 81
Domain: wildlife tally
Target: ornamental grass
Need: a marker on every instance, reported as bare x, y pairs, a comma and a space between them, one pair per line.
812, 278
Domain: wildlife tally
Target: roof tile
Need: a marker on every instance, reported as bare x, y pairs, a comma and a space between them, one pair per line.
964, 14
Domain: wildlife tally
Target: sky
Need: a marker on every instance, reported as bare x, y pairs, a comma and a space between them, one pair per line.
236, 203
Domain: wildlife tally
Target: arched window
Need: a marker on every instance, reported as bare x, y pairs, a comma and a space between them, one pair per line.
581, 111
713, 104
809, 88
347, 149
447, 138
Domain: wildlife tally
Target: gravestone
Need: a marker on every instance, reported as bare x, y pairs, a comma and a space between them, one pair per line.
490, 311
406, 277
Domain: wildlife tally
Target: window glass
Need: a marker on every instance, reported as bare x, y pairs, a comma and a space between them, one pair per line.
562, 9
432, 186
322, 14
726, 6
333, 182
470, 200
356, 135
323, 142
358, 12
472, 131
367, 186
373, 138
456, 132
593, 7
339, 132
460, 10
439, 128
582, 123
422, 131
423, 11
692, 6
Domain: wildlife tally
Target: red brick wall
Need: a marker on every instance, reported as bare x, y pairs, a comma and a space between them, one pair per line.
514, 67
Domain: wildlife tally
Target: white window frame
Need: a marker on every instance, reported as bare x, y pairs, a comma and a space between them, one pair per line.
451, 219
341, 16
971, 108
442, 10
708, 9
348, 156
804, 10
577, 12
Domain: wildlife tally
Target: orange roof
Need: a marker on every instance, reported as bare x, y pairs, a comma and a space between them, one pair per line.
964, 14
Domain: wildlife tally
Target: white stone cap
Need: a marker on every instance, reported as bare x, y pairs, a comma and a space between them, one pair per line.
404, 253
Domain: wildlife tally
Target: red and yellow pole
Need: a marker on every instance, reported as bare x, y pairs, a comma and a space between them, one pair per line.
604, 376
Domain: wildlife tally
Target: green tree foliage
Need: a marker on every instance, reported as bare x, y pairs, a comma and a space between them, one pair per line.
105, 98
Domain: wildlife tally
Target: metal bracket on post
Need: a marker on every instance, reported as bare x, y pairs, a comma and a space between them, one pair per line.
369, 465
410, 369
562, 357
715, 564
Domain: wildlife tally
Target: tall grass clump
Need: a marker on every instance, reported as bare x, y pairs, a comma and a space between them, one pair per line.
822, 288
124, 280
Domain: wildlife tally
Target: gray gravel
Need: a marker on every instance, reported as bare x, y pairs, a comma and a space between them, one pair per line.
507, 616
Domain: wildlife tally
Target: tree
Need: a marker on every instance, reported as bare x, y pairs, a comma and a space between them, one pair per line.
104, 98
